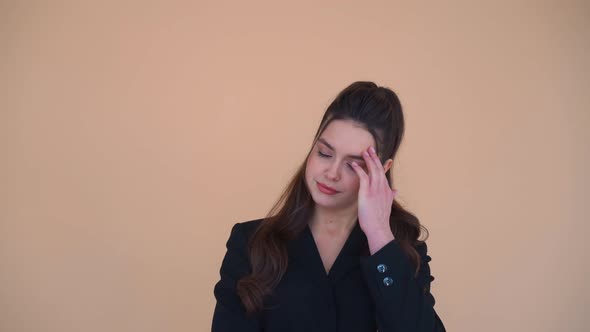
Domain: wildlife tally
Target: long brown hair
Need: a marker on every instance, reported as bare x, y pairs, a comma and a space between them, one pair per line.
379, 111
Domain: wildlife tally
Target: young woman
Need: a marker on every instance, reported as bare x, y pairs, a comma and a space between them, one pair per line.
336, 252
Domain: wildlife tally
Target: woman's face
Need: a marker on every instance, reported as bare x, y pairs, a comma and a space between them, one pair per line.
329, 163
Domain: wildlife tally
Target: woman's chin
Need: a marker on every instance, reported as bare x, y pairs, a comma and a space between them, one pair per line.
330, 202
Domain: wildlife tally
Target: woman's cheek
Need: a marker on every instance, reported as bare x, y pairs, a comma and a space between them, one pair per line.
355, 182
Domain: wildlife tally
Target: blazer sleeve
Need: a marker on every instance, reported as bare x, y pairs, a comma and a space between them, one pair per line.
230, 313
403, 302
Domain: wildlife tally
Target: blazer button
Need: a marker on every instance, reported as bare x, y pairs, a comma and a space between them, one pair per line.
387, 281
382, 268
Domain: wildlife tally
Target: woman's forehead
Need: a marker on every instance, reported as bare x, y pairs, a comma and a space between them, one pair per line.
346, 137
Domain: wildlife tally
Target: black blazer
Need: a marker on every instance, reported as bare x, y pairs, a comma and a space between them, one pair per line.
362, 292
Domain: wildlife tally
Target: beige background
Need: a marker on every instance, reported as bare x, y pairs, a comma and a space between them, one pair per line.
134, 135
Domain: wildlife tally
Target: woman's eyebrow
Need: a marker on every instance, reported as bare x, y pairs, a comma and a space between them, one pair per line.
323, 141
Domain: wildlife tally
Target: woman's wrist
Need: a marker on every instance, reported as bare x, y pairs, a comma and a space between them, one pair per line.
378, 240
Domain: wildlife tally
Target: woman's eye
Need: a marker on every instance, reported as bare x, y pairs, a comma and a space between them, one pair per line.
362, 166
323, 155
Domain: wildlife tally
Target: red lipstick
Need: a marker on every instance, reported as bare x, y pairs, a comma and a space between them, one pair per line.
325, 189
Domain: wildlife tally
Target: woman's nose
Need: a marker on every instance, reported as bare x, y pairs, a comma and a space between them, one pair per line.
333, 173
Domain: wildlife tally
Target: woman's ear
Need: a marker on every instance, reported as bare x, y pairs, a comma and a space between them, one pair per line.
388, 165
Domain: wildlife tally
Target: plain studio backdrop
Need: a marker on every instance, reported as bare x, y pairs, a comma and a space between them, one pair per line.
135, 134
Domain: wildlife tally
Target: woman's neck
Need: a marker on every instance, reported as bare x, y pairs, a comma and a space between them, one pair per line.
333, 222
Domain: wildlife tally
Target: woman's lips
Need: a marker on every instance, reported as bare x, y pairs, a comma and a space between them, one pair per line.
326, 190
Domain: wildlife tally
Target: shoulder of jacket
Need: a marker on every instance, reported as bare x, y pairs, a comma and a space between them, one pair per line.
246, 228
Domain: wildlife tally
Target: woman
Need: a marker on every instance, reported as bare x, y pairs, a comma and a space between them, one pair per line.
336, 252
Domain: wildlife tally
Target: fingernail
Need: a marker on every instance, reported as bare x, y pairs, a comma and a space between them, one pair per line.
373, 149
